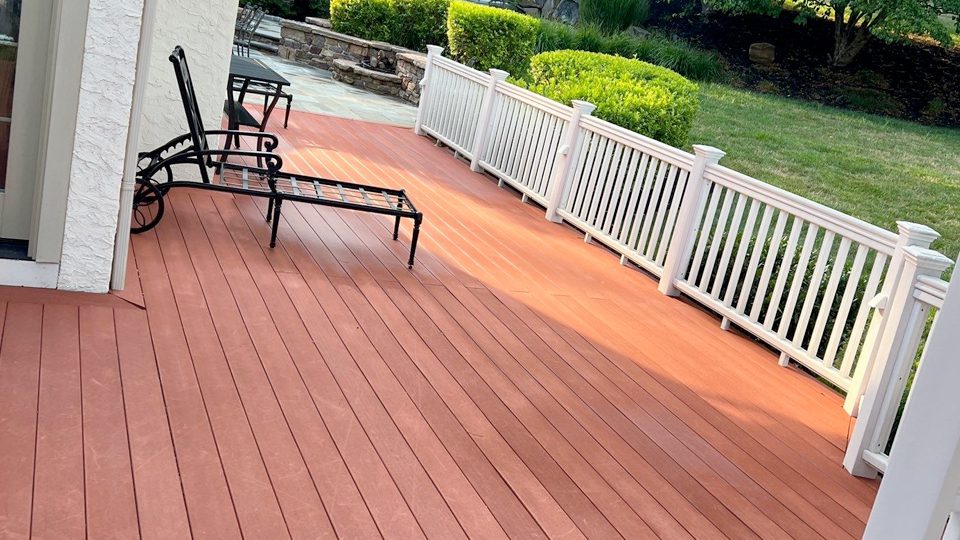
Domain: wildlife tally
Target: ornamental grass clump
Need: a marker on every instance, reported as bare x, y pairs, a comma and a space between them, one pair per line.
658, 49
641, 97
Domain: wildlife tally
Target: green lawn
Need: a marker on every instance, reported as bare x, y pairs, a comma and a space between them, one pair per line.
877, 169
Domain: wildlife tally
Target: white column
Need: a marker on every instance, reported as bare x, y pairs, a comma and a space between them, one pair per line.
919, 489
482, 136
691, 207
896, 350
122, 243
566, 160
909, 234
432, 52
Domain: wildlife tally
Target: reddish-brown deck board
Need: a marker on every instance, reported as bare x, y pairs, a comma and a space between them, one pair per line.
110, 502
58, 492
19, 386
517, 382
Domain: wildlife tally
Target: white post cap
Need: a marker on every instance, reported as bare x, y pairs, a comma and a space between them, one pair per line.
435, 49
917, 234
585, 107
708, 152
927, 259
499, 74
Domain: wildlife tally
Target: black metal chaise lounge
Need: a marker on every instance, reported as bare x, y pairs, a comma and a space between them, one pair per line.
217, 172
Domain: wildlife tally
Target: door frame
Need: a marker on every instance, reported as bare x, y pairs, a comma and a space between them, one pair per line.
54, 136
23, 149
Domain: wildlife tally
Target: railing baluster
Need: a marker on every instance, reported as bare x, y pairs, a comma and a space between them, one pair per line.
826, 306
782, 275
669, 226
718, 235
704, 237
843, 313
758, 242
769, 263
746, 235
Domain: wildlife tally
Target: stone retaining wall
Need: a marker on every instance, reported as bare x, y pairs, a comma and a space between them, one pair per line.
314, 43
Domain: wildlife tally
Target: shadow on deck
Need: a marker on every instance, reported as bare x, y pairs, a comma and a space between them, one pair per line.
517, 382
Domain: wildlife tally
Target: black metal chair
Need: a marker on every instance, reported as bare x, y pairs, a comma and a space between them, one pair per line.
267, 91
248, 20
155, 176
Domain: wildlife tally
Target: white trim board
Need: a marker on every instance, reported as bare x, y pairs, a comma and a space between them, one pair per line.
29, 274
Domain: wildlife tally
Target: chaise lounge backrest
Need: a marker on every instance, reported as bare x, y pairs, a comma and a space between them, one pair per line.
188, 97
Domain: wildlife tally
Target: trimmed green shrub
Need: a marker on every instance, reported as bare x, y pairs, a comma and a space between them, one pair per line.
614, 15
418, 23
485, 37
656, 49
367, 19
413, 24
642, 97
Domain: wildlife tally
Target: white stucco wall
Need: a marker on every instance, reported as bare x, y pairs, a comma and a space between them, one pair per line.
106, 90
205, 30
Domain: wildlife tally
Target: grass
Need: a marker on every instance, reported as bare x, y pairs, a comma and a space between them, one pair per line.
877, 169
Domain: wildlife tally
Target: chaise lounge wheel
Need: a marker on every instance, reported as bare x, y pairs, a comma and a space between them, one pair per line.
147, 206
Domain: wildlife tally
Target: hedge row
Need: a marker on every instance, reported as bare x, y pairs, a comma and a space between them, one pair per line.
485, 37
642, 97
413, 24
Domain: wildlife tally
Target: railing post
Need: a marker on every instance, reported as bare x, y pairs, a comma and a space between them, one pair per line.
432, 52
566, 159
909, 234
684, 232
895, 354
482, 136
919, 488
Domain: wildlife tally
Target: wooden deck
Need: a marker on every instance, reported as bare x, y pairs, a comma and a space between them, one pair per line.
518, 382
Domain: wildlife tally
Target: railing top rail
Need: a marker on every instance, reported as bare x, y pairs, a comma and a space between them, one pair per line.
543, 103
460, 69
650, 146
870, 235
931, 290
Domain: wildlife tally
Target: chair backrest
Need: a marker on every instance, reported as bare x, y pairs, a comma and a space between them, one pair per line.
191, 108
243, 17
255, 21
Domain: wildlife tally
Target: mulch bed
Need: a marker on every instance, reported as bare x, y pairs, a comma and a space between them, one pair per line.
912, 80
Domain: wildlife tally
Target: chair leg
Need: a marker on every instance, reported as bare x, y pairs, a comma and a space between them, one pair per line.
413, 240
396, 224
276, 222
270, 210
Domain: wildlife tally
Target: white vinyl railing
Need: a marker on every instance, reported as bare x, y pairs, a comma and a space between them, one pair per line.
917, 299
808, 280
790, 271
920, 460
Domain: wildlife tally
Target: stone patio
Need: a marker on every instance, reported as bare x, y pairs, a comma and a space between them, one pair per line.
315, 91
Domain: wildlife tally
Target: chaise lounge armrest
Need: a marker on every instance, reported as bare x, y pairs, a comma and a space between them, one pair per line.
216, 158
270, 140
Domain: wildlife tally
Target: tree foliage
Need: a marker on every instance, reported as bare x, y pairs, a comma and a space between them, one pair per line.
856, 21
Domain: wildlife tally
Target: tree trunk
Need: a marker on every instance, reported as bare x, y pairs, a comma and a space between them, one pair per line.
849, 38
